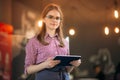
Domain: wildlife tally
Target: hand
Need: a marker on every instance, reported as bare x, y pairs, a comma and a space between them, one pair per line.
76, 63
50, 63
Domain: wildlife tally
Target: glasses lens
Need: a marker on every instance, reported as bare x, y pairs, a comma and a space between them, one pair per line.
58, 18
52, 17
49, 17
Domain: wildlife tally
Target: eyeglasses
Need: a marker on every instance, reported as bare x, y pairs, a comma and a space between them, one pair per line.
52, 17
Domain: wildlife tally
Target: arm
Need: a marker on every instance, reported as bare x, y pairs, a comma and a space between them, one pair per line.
69, 68
75, 63
31, 57
35, 68
49, 63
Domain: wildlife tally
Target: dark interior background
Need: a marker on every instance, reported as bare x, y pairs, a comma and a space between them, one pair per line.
87, 17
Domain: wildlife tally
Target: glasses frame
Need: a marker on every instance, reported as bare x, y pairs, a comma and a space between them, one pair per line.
51, 17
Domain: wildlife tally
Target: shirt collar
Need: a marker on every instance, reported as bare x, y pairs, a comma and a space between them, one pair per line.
47, 35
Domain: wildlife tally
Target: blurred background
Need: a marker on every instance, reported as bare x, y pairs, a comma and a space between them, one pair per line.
91, 26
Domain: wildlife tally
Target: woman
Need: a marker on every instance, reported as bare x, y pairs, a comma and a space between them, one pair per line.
41, 49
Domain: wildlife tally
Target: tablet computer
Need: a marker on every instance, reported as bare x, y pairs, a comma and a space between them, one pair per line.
66, 59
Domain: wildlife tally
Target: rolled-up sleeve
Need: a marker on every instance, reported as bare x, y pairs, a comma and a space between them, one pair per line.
30, 57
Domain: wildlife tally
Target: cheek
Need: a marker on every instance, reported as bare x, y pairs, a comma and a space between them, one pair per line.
59, 23
46, 23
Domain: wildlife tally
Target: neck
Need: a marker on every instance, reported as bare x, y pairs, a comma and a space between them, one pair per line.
51, 32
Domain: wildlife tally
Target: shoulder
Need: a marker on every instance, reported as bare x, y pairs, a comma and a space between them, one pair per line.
33, 40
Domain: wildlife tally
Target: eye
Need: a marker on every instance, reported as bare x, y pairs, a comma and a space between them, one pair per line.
58, 18
50, 16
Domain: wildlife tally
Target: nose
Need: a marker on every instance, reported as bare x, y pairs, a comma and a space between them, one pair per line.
54, 18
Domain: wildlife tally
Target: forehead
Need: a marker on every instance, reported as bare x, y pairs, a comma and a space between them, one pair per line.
54, 13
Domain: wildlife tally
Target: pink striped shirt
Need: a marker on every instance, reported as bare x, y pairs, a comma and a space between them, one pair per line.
37, 53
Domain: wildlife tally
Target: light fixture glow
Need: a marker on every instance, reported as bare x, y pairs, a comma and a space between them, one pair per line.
116, 14
106, 30
72, 32
116, 30
40, 23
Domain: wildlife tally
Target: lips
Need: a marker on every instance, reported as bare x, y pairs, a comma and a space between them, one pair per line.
54, 24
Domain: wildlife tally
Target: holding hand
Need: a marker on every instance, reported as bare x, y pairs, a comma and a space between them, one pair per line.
50, 63
76, 63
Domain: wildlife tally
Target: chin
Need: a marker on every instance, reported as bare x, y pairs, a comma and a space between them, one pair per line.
55, 27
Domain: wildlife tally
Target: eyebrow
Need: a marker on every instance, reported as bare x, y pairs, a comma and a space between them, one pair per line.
53, 15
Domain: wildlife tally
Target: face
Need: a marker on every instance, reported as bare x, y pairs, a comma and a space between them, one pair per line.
52, 20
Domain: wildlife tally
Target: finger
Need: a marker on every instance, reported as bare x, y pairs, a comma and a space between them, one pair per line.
50, 58
79, 61
57, 62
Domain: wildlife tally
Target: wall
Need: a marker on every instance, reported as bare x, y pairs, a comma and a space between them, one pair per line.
6, 11
87, 42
